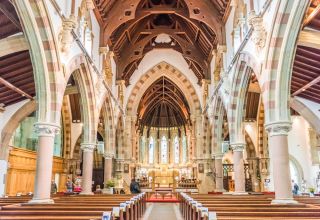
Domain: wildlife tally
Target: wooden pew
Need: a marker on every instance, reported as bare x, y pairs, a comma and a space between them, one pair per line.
78, 207
245, 207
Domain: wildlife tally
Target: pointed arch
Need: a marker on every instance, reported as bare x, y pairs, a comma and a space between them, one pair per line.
280, 55
159, 70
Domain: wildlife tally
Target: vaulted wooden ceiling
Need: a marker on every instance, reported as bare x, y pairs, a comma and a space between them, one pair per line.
306, 67
131, 28
163, 105
16, 72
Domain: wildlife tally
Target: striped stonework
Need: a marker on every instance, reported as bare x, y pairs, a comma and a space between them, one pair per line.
107, 113
119, 139
66, 116
163, 69
52, 60
275, 81
237, 100
217, 125
251, 151
261, 131
89, 116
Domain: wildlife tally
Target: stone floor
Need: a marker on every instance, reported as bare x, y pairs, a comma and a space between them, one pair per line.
162, 211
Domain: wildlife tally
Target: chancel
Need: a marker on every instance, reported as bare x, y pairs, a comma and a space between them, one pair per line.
159, 109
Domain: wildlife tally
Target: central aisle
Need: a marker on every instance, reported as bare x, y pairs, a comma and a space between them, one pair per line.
163, 211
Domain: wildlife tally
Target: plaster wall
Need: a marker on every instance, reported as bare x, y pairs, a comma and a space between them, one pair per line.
300, 150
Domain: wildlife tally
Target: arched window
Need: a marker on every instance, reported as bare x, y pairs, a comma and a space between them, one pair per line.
25, 136
151, 150
164, 150
184, 149
176, 150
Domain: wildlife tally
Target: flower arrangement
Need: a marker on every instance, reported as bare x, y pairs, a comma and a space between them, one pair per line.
110, 183
311, 190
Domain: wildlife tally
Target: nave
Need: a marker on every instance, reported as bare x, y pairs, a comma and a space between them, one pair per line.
159, 107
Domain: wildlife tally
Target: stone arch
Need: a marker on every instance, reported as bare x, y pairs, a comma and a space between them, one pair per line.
306, 113
109, 131
45, 59
246, 65
159, 70
119, 139
12, 125
280, 55
217, 125
66, 115
298, 167
81, 71
251, 151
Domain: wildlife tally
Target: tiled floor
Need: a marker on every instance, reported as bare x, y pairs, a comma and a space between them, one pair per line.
162, 211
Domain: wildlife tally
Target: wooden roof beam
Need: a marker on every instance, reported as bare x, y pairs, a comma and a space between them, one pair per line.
304, 88
312, 15
11, 17
12, 87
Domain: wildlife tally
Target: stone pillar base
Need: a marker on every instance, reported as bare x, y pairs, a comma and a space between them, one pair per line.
284, 201
239, 193
41, 201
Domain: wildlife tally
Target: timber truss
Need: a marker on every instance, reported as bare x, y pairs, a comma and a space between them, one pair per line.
132, 28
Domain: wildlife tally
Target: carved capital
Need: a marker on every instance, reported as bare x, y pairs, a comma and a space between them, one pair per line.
221, 49
46, 129
87, 147
108, 155
66, 38
259, 34
278, 128
103, 50
238, 146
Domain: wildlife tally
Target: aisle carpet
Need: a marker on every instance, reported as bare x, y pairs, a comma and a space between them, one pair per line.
166, 198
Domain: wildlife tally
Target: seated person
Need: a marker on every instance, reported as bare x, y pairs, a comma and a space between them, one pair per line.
134, 187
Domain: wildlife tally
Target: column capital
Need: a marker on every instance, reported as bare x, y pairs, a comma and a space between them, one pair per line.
87, 147
221, 48
46, 129
103, 50
278, 128
217, 156
108, 155
238, 146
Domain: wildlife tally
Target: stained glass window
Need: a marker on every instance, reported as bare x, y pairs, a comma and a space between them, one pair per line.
151, 150
176, 150
184, 149
164, 150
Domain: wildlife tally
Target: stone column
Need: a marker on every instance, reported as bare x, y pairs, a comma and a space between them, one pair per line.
193, 155
3, 173
278, 148
219, 172
238, 167
181, 149
87, 167
42, 185
107, 167
253, 170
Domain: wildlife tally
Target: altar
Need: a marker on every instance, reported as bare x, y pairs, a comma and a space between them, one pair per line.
162, 176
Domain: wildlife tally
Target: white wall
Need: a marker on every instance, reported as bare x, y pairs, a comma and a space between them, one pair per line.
299, 148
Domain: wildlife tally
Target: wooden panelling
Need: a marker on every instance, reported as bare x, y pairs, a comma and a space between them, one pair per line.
21, 172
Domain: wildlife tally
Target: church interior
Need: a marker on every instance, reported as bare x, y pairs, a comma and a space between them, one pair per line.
152, 109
